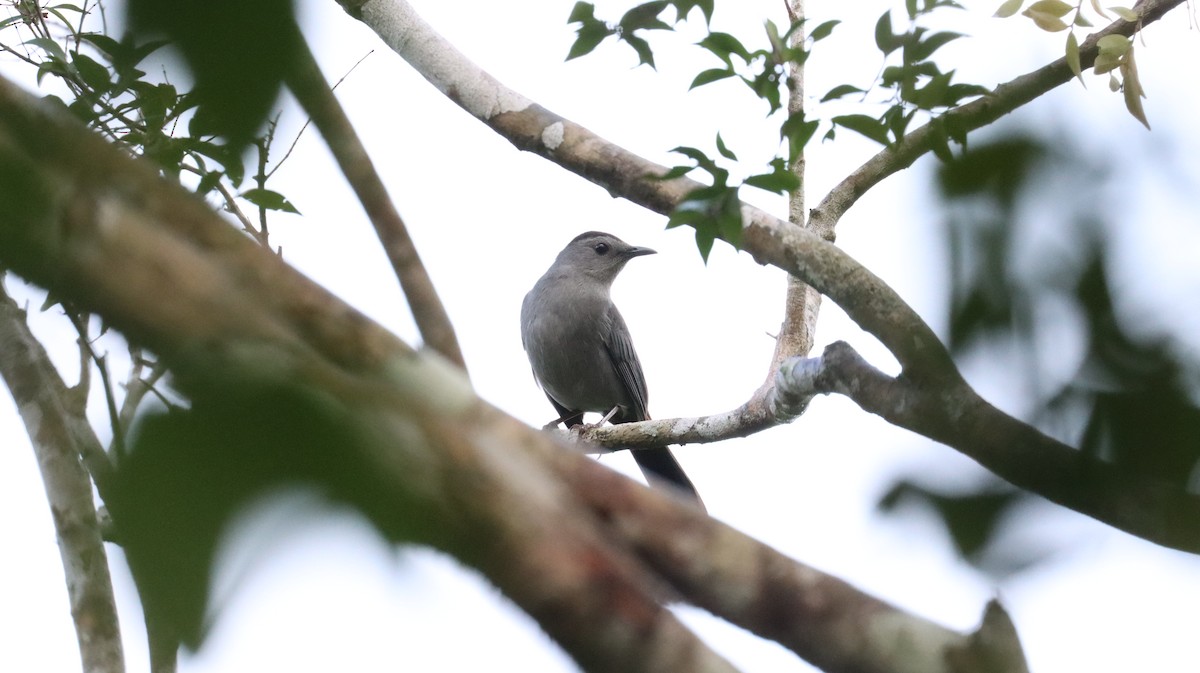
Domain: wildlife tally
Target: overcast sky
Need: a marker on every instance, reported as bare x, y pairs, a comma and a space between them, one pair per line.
488, 220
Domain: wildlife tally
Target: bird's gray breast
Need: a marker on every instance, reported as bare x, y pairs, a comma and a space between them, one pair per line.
564, 327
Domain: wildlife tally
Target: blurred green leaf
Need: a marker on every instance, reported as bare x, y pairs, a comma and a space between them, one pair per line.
239, 54
710, 76
270, 200
864, 125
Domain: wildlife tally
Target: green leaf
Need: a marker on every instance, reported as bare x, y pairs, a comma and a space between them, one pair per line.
863, 125
1009, 8
683, 7
840, 91
582, 12
138, 53
924, 49
710, 76
1047, 22
823, 30
58, 68
674, 172
644, 17
938, 140
705, 237
1056, 8
229, 158
642, 47
104, 43
1117, 45
587, 38
702, 160
798, 131
93, 74
1132, 88
268, 199
208, 182
766, 85
957, 92
780, 180
724, 44
896, 120
238, 54
725, 150
885, 39
1127, 14
1073, 56
51, 48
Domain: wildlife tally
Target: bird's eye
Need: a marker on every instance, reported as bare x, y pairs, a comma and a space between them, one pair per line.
601, 248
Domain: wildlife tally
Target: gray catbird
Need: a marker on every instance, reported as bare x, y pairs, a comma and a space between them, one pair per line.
580, 348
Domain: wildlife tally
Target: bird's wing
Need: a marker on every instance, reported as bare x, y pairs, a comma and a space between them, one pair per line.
627, 366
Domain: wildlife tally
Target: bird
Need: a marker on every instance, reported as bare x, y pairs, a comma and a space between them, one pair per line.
581, 351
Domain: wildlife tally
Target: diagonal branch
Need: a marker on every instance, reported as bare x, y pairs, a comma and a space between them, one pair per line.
821, 618
315, 96
801, 252
589, 554
154, 261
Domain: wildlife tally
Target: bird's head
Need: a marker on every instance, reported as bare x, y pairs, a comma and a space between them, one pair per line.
598, 255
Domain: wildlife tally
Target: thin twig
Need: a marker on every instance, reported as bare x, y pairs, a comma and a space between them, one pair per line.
309, 120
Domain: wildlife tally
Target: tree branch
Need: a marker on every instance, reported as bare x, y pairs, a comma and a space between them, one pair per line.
318, 100
101, 229
60, 434
801, 252
822, 619
802, 303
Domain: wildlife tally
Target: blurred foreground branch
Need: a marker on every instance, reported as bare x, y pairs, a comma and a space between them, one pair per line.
286, 380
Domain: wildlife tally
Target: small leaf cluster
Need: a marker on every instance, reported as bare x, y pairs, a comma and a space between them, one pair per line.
764, 70
112, 93
917, 82
715, 211
1115, 51
646, 16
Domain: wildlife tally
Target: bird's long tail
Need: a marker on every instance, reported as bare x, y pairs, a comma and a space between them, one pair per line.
661, 467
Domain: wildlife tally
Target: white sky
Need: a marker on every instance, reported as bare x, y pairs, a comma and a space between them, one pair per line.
488, 220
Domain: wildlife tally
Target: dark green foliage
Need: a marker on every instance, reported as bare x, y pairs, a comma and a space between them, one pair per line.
713, 211
189, 472
1141, 392
646, 16
780, 180
797, 130
1132, 399
270, 200
239, 54
591, 31
974, 518
983, 291
918, 83
111, 92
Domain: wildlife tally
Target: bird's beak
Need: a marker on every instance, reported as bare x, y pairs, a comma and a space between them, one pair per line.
638, 252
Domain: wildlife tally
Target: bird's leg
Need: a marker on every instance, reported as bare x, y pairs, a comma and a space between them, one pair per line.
612, 412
